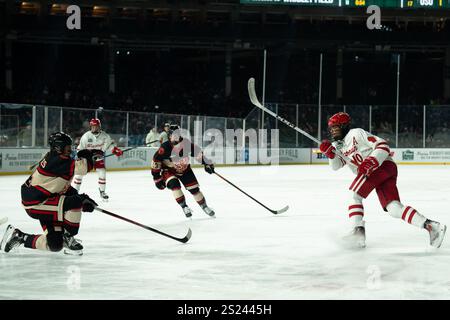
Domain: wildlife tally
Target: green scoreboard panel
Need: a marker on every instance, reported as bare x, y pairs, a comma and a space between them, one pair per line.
398, 4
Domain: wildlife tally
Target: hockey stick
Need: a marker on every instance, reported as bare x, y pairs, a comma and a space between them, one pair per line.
255, 101
125, 150
184, 239
273, 211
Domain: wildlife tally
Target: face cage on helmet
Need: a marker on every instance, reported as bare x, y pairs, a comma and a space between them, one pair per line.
345, 128
99, 128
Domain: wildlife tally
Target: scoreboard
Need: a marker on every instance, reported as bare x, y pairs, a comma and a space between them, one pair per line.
392, 4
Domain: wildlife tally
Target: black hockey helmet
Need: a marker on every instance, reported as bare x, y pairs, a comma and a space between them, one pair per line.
58, 141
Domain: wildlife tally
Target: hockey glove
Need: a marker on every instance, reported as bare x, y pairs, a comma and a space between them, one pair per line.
91, 156
368, 166
209, 168
117, 151
160, 183
88, 204
327, 148
98, 155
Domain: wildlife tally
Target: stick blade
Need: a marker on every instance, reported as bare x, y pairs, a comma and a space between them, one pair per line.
187, 237
281, 210
252, 92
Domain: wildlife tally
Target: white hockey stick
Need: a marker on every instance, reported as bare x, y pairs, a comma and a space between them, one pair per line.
255, 101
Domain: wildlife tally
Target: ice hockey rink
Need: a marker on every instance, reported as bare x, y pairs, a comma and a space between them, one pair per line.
245, 252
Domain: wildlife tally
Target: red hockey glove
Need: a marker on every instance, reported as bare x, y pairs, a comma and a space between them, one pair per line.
160, 183
327, 148
117, 151
368, 166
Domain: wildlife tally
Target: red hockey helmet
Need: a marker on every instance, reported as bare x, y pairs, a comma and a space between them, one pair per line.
341, 120
95, 122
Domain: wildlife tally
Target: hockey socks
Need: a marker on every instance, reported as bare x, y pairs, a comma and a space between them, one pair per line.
406, 213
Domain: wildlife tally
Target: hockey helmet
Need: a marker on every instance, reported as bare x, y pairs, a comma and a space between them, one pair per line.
58, 141
341, 120
95, 122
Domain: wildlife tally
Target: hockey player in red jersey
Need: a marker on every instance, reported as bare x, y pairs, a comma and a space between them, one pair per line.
369, 157
48, 197
170, 166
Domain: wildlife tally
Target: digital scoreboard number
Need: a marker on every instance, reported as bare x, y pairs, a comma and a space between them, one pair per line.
400, 4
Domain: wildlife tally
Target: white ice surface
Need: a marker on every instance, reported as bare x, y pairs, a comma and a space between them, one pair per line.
246, 252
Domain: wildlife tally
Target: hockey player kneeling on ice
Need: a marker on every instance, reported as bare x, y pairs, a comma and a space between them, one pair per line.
97, 139
170, 166
369, 157
48, 197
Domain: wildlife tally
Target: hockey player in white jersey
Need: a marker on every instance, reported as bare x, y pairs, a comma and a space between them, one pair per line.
97, 139
369, 157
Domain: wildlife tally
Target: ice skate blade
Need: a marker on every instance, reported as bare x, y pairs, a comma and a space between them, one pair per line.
73, 252
8, 232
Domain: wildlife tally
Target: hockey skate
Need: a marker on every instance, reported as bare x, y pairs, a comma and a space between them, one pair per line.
71, 245
187, 211
357, 237
437, 232
104, 196
13, 238
210, 212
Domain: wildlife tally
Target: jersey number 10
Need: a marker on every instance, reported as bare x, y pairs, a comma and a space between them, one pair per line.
357, 159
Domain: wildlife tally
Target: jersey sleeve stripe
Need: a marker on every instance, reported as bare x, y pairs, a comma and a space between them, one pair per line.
381, 143
46, 173
43, 190
384, 149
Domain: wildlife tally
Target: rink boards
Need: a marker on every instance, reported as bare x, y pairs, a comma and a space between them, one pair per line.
17, 160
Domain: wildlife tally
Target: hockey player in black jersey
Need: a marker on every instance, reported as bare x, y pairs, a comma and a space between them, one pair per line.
48, 197
170, 166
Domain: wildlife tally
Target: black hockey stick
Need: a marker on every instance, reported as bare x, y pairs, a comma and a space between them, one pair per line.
125, 150
184, 240
273, 211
